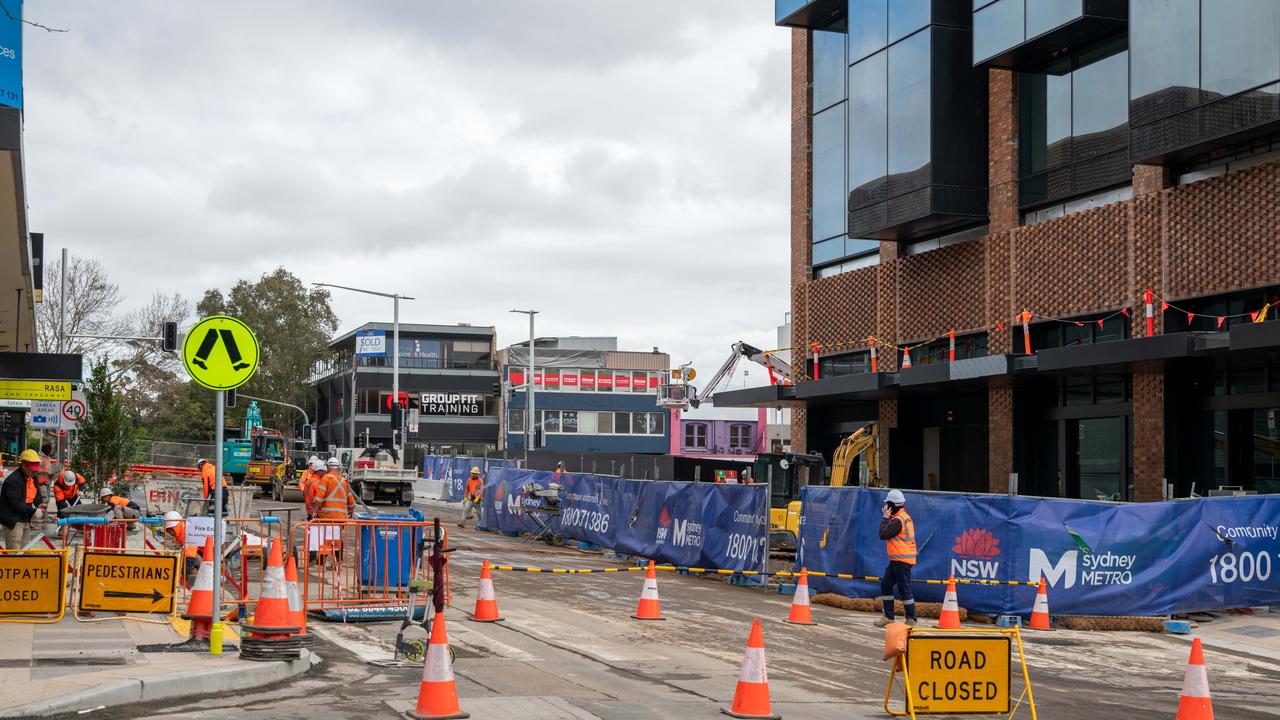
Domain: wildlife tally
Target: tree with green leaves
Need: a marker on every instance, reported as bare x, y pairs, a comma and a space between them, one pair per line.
109, 434
293, 324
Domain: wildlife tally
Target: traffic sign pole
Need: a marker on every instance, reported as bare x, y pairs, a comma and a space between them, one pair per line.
215, 634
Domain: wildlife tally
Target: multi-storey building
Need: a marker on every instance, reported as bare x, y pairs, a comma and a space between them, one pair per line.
1016, 175
590, 397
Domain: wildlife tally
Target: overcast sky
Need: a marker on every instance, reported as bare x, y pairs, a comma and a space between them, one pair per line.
621, 167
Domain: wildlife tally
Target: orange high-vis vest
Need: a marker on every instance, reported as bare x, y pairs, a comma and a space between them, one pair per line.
902, 547
179, 533
308, 479
473, 488
117, 500
333, 498
32, 491
209, 474
64, 492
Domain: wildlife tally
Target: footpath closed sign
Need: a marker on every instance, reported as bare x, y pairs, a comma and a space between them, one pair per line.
956, 674
134, 583
32, 583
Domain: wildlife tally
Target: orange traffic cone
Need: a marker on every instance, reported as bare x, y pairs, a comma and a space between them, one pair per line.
1040, 611
486, 600
293, 592
273, 618
438, 693
906, 359
650, 607
1194, 703
200, 607
949, 618
800, 611
751, 699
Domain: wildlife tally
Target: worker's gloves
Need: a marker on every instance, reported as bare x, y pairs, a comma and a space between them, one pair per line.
39, 514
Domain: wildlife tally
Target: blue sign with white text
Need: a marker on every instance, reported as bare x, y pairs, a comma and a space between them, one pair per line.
11, 55
371, 343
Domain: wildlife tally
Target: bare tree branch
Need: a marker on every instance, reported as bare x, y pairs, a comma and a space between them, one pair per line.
91, 302
46, 28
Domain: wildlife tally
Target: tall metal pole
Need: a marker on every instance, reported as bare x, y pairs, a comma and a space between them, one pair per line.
398, 432
529, 421
62, 329
215, 639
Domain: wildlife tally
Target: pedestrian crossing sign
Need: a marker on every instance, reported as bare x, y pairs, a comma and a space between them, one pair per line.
220, 353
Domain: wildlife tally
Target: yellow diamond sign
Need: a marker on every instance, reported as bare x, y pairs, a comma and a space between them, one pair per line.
220, 353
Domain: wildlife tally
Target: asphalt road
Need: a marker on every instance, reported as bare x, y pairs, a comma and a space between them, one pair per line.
568, 649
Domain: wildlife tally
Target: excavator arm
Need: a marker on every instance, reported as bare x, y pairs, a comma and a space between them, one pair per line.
843, 465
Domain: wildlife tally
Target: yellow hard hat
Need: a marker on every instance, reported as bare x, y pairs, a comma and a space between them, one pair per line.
29, 455
475, 470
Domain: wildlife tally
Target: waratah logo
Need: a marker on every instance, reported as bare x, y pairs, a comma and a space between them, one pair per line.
665, 517
664, 525
977, 547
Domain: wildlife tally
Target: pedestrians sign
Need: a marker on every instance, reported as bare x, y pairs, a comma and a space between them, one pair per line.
35, 389
31, 583
135, 583
952, 674
220, 353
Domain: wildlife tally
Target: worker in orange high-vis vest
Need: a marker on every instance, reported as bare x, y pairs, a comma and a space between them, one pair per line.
332, 496
122, 508
898, 532
66, 489
315, 470
472, 497
20, 500
208, 482
175, 536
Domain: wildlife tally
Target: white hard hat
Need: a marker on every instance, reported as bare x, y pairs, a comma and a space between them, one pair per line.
200, 462
896, 497
172, 518
312, 460
69, 477
316, 463
334, 462
106, 492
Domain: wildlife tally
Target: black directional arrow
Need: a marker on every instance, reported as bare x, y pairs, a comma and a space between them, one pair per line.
155, 595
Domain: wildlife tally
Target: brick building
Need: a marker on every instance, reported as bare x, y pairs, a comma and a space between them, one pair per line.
957, 164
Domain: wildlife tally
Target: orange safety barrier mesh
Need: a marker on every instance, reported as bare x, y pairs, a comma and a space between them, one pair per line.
362, 563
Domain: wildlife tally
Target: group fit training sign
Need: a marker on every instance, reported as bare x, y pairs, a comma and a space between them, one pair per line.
464, 404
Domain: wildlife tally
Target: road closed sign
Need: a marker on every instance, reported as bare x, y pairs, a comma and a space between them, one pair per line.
134, 583
31, 583
958, 674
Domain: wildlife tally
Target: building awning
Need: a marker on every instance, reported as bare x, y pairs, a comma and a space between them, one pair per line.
762, 396
1255, 336
1118, 353
861, 386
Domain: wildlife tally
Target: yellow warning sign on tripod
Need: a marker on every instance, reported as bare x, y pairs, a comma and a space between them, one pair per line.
220, 353
960, 672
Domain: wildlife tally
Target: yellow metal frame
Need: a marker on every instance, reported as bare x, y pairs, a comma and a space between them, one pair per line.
900, 663
62, 601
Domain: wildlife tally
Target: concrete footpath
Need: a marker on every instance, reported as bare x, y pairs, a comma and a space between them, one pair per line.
76, 665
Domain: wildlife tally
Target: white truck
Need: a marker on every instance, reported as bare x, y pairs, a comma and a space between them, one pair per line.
375, 476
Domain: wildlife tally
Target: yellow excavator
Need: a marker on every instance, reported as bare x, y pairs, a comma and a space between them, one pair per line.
782, 470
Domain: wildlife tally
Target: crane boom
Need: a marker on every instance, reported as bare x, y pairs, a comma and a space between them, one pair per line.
779, 371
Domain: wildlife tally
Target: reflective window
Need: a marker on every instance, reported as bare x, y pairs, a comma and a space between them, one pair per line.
858, 247
997, 27
868, 119
906, 17
828, 67
830, 206
868, 27
1100, 104
1067, 116
1164, 38
828, 250
909, 141
1045, 15
1239, 40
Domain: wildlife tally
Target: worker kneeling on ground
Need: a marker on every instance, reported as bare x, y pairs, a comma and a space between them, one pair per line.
175, 536
899, 535
331, 495
66, 489
20, 500
122, 508
472, 498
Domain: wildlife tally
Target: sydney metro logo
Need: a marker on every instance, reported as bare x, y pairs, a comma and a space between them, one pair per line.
683, 533
975, 549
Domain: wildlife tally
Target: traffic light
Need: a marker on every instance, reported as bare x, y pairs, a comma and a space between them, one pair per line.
497, 388
230, 400
397, 416
169, 338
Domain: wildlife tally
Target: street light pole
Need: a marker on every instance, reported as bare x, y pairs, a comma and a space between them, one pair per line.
395, 360
530, 414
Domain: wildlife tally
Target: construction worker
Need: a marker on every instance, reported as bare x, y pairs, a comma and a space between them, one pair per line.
558, 471
472, 497
331, 495
315, 470
898, 532
121, 507
66, 489
20, 500
175, 535
209, 478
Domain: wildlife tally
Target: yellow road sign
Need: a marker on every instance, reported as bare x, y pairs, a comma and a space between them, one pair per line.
31, 583
220, 353
957, 674
35, 389
128, 582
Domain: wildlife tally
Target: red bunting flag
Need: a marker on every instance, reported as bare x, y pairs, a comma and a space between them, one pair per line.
1253, 316
1080, 324
1190, 316
1000, 325
1100, 321
1164, 306
1124, 311
1221, 318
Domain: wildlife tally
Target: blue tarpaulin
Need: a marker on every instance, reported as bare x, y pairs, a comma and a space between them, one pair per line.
1098, 558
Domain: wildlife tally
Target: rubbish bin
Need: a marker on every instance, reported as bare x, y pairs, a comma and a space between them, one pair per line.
388, 550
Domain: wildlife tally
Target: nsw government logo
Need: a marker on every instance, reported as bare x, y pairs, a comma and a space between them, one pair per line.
674, 531
975, 550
